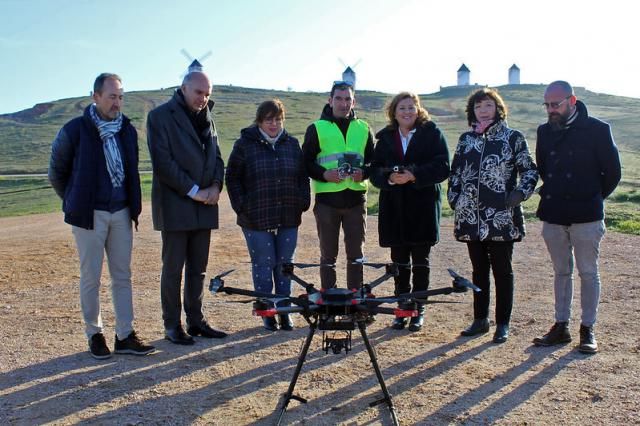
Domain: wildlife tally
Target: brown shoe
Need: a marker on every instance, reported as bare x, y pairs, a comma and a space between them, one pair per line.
588, 343
558, 334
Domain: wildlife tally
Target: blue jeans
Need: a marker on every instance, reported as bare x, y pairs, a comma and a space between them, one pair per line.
582, 242
268, 251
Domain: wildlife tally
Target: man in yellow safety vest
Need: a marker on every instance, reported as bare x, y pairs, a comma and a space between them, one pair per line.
337, 151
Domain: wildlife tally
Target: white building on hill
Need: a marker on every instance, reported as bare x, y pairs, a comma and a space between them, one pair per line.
514, 74
464, 76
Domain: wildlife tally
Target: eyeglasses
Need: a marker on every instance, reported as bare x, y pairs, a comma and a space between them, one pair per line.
554, 105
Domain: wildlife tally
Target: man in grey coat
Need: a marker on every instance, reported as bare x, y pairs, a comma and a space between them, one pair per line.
187, 179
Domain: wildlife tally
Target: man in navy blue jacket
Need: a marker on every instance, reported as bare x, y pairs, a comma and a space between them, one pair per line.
94, 169
579, 166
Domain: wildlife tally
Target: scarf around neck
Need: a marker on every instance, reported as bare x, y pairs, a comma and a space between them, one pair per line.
107, 131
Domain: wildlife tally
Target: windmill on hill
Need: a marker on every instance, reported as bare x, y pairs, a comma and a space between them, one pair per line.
195, 65
349, 75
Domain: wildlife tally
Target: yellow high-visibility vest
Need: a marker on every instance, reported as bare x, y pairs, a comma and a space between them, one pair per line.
334, 151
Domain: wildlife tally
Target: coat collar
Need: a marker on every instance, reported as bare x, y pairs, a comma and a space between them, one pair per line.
180, 115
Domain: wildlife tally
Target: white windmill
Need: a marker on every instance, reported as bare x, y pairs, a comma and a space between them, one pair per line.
195, 65
349, 75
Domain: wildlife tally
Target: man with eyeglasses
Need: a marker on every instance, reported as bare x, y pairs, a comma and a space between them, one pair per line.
579, 166
337, 151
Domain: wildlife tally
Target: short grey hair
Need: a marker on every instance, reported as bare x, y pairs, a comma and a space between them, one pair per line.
99, 83
562, 85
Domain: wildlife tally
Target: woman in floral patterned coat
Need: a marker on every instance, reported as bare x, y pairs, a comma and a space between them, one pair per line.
485, 194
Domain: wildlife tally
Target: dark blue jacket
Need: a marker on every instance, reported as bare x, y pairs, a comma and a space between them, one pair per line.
267, 185
77, 170
579, 168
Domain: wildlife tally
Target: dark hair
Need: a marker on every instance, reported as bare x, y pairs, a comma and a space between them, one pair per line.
341, 85
481, 95
99, 83
423, 115
268, 109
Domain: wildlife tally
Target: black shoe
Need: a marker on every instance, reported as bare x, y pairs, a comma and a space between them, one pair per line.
270, 323
98, 347
285, 322
478, 326
205, 330
559, 333
132, 345
178, 336
416, 323
399, 323
502, 333
588, 343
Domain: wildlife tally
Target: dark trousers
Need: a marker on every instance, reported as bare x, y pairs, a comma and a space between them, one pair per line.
188, 250
495, 255
354, 225
418, 256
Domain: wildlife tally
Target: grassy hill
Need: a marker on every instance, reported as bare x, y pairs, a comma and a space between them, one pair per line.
25, 136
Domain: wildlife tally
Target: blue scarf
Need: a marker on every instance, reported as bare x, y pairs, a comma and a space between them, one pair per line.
108, 130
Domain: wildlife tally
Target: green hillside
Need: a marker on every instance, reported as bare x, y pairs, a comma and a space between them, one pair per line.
25, 136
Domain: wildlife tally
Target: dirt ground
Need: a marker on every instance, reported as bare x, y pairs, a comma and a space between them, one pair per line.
435, 376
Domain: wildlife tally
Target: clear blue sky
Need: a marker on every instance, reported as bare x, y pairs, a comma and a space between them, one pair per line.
53, 49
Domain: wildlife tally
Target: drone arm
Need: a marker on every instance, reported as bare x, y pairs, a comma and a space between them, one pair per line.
380, 280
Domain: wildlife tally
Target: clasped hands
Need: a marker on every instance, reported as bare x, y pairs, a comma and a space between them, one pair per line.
209, 195
400, 178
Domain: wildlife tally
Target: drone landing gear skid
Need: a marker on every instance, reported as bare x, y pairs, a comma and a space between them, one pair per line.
313, 325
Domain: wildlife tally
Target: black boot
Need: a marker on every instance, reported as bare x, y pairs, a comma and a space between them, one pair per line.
416, 322
478, 326
399, 323
270, 323
502, 333
588, 343
285, 322
558, 334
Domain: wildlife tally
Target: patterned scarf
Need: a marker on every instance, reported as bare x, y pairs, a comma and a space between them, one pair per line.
107, 130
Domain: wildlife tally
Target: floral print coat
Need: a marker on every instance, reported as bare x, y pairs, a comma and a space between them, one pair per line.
484, 171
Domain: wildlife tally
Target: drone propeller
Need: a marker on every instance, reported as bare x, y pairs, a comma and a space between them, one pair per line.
378, 265
460, 283
312, 265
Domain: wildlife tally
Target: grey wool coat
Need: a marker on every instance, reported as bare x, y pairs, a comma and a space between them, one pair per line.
180, 159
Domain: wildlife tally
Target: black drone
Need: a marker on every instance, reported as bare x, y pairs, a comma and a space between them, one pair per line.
340, 311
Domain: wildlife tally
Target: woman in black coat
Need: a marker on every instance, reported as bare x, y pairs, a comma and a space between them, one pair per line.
410, 160
492, 172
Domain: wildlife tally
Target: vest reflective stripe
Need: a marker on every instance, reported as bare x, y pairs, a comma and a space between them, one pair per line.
334, 150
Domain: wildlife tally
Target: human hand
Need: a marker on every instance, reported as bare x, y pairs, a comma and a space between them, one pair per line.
357, 174
401, 178
213, 195
514, 198
331, 175
201, 195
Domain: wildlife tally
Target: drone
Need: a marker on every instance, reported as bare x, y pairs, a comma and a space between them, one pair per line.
337, 312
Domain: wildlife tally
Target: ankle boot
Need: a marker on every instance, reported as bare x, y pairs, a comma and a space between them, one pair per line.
502, 333
399, 323
559, 333
478, 326
588, 343
285, 322
416, 322
270, 323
